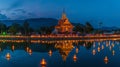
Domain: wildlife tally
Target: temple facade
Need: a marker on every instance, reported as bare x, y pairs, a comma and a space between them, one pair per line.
64, 26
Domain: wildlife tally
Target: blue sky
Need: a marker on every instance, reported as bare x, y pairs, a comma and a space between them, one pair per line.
79, 11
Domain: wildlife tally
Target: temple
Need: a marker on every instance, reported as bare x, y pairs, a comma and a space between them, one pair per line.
64, 26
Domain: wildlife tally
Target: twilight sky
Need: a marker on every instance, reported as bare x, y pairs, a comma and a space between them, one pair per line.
95, 11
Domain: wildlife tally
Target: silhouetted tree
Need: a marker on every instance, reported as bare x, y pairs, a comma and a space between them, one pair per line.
3, 27
78, 28
89, 28
26, 27
14, 28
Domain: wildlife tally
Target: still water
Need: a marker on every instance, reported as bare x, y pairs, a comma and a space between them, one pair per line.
66, 53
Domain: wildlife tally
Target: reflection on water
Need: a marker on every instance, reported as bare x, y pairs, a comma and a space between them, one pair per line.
63, 53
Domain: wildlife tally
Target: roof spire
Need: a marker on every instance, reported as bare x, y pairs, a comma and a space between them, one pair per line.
64, 14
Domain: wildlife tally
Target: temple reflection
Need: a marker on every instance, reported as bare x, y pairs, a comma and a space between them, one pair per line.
64, 49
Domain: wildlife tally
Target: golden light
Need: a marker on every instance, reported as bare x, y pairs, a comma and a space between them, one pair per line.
106, 60
102, 46
93, 52
113, 52
75, 58
50, 52
77, 50
30, 51
8, 56
98, 49
43, 63
27, 49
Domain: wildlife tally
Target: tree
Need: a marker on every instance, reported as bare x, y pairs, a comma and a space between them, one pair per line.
88, 27
26, 27
78, 28
14, 28
3, 27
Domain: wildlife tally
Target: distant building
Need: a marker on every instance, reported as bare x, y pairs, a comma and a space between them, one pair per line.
64, 26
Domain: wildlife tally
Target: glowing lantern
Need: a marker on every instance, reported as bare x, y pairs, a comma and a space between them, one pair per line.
30, 51
8, 56
75, 58
113, 52
27, 49
113, 45
43, 63
98, 49
102, 46
106, 60
77, 50
50, 52
93, 52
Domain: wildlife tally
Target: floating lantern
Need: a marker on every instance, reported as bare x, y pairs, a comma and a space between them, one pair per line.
99, 43
106, 60
102, 46
113, 52
77, 50
27, 49
98, 49
75, 58
30, 51
43, 63
113, 45
8, 56
110, 48
50, 52
93, 52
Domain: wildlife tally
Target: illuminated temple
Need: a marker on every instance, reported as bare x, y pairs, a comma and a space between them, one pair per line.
64, 26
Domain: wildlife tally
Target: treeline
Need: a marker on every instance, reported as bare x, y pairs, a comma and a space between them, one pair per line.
25, 29
83, 29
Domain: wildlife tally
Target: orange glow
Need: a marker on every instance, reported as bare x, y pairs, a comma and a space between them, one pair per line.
50, 52
106, 60
43, 62
93, 52
98, 49
77, 50
75, 58
30, 51
8, 56
102, 46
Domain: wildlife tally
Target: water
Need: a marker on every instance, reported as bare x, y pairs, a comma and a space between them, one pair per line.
88, 53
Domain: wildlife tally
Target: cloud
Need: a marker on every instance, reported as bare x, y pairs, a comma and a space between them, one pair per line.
16, 4
3, 17
20, 10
